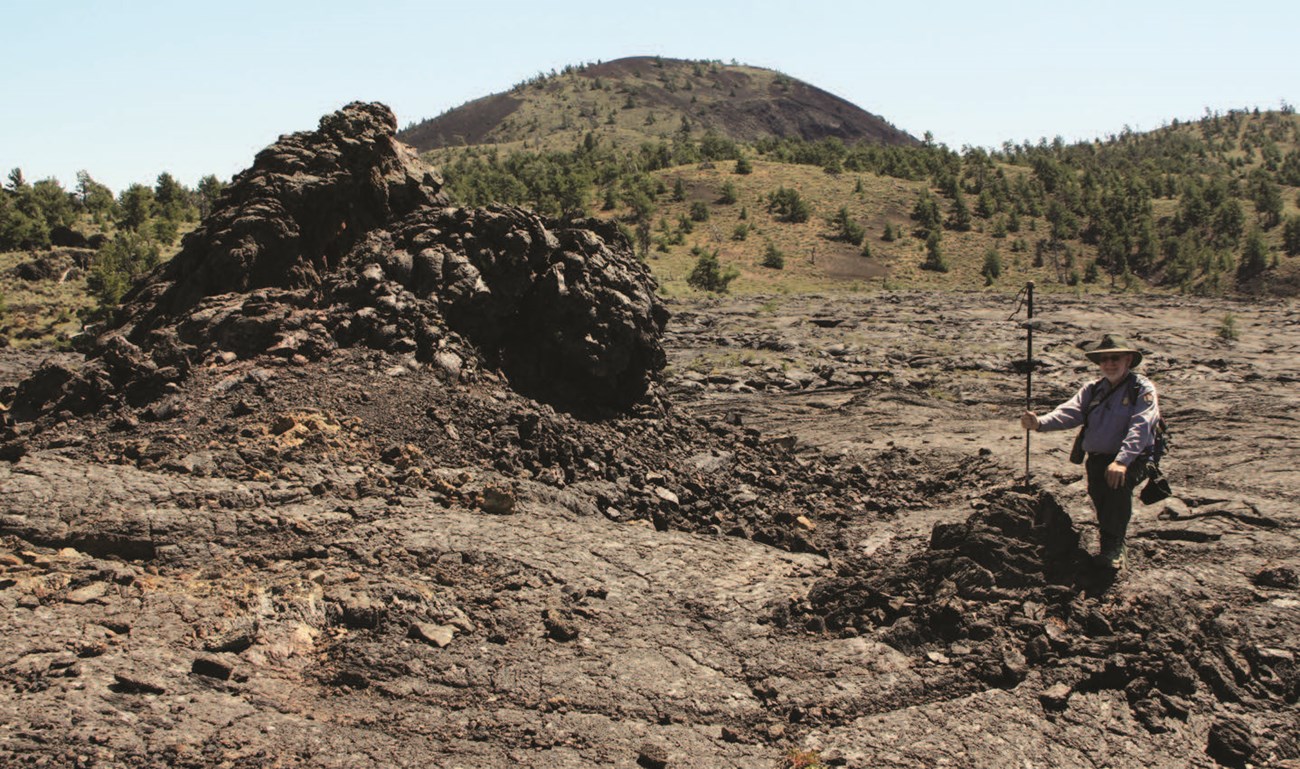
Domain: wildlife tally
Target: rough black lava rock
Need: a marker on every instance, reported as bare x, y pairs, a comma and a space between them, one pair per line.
1012, 583
341, 237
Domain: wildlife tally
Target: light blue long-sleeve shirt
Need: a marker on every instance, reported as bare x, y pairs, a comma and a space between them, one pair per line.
1122, 425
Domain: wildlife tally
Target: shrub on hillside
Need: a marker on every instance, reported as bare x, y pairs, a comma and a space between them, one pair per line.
992, 269
118, 264
959, 218
135, 205
1091, 273
934, 259
679, 190
1291, 236
708, 274
1227, 330
773, 258
1254, 257
846, 228
20, 229
788, 205
165, 231
925, 212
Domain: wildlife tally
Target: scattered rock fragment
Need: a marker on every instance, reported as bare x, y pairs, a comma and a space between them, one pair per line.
90, 593
358, 610
12, 451
1055, 697
437, 635
1280, 577
212, 667
652, 756
497, 501
1231, 742
559, 625
133, 683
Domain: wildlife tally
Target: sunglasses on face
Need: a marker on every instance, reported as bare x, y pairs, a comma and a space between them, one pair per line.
1113, 358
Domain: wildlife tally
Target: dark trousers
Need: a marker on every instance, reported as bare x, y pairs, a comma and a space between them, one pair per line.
1114, 506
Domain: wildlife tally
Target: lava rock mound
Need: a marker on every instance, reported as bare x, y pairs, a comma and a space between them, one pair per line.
292, 218
1017, 547
1010, 589
342, 237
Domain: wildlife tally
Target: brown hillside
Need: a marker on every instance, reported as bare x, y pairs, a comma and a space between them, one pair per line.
651, 97
470, 123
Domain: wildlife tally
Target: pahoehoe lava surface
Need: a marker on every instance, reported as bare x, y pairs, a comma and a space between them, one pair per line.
363, 479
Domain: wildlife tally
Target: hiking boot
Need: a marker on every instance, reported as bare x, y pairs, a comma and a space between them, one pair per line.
1114, 553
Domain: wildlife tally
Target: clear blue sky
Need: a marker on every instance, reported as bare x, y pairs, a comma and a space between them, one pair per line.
127, 90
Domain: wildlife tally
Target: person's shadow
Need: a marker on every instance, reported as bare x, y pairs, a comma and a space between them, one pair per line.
1065, 559
1096, 580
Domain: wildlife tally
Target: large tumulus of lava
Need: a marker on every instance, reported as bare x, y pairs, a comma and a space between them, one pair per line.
341, 236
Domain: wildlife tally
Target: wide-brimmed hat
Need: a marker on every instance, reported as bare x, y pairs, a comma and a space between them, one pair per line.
1110, 343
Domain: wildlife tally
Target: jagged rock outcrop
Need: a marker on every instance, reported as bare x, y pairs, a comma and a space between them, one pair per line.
1008, 588
341, 236
292, 217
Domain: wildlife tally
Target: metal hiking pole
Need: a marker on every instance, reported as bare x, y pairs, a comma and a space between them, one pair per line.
1029, 367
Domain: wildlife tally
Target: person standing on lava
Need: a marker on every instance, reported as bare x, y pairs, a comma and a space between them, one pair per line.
1118, 415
